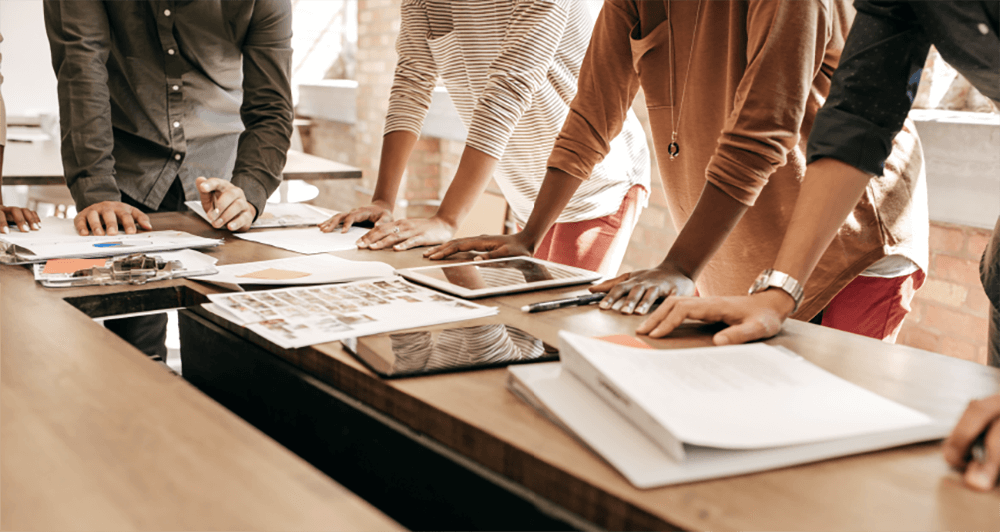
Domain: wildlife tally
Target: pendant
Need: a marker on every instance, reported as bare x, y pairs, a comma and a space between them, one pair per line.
673, 150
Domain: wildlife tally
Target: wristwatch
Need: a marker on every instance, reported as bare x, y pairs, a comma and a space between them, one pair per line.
770, 278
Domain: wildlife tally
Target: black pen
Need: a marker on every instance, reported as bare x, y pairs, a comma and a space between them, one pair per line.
585, 299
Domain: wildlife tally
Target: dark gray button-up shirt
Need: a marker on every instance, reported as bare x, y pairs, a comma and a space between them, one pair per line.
153, 90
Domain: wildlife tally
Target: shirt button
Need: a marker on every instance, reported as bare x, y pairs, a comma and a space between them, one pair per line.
177, 156
983, 28
177, 124
176, 88
170, 51
166, 12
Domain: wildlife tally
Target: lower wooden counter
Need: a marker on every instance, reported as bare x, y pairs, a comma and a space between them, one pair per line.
95, 436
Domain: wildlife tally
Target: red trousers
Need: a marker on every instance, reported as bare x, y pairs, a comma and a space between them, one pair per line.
873, 306
597, 245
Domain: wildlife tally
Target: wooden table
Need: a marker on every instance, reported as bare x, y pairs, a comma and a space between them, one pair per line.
454, 450
39, 163
459, 451
95, 436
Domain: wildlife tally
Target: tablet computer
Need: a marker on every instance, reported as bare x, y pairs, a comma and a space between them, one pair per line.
497, 276
447, 349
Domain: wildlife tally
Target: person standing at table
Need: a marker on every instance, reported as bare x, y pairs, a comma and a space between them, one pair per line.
848, 151
511, 69
732, 89
163, 101
23, 219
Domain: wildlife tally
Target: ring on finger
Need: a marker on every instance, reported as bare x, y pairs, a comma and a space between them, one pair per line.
395, 230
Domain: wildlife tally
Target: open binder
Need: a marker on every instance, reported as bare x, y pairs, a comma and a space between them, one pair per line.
585, 395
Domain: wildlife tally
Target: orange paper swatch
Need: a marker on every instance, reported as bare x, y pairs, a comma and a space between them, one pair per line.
72, 265
624, 339
274, 274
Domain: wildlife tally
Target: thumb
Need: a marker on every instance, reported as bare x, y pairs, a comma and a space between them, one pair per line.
748, 331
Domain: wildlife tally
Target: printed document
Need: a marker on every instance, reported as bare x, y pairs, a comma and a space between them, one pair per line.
732, 397
574, 407
301, 316
278, 214
58, 239
308, 269
308, 241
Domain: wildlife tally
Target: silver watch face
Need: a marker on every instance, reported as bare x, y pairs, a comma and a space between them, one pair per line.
760, 282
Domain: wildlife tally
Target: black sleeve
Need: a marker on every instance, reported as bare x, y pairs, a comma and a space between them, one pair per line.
873, 87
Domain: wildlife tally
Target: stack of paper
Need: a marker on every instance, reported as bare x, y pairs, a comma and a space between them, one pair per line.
58, 239
669, 416
297, 317
310, 269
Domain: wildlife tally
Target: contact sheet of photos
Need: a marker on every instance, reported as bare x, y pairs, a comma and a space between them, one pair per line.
301, 316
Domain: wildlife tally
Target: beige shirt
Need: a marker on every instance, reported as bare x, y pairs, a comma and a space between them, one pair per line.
759, 73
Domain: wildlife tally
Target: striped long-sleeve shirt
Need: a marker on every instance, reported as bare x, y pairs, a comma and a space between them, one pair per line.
511, 68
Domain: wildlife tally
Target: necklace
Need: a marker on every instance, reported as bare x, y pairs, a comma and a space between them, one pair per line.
674, 149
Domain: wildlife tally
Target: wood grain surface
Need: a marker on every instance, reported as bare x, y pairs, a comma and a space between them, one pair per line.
907, 488
95, 436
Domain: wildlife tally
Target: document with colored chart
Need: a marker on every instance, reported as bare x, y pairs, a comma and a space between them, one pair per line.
301, 316
57, 239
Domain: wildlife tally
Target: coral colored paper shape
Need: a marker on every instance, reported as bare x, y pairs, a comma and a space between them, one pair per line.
625, 340
54, 266
275, 274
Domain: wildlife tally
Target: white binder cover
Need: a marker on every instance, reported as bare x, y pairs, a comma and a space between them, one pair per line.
748, 396
577, 409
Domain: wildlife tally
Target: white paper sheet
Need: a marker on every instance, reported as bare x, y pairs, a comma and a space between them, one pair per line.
308, 241
309, 269
58, 239
301, 316
732, 397
575, 408
278, 214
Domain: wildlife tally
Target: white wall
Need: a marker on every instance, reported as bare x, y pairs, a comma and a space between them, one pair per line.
29, 85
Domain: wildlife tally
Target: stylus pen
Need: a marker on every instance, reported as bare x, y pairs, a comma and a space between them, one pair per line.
564, 303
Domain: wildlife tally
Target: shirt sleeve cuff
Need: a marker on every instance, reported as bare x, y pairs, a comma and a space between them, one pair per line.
849, 139
739, 173
573, 158
255, 192
87, 191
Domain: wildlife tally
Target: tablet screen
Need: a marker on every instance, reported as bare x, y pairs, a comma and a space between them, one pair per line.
449, 349
498, 274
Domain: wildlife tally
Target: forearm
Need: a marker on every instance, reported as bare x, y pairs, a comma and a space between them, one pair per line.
473, 174
1, 174
714, 217
396, 149
557, 189
830, 191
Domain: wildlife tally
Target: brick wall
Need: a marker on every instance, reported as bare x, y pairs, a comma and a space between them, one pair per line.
378, 25
950, 311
